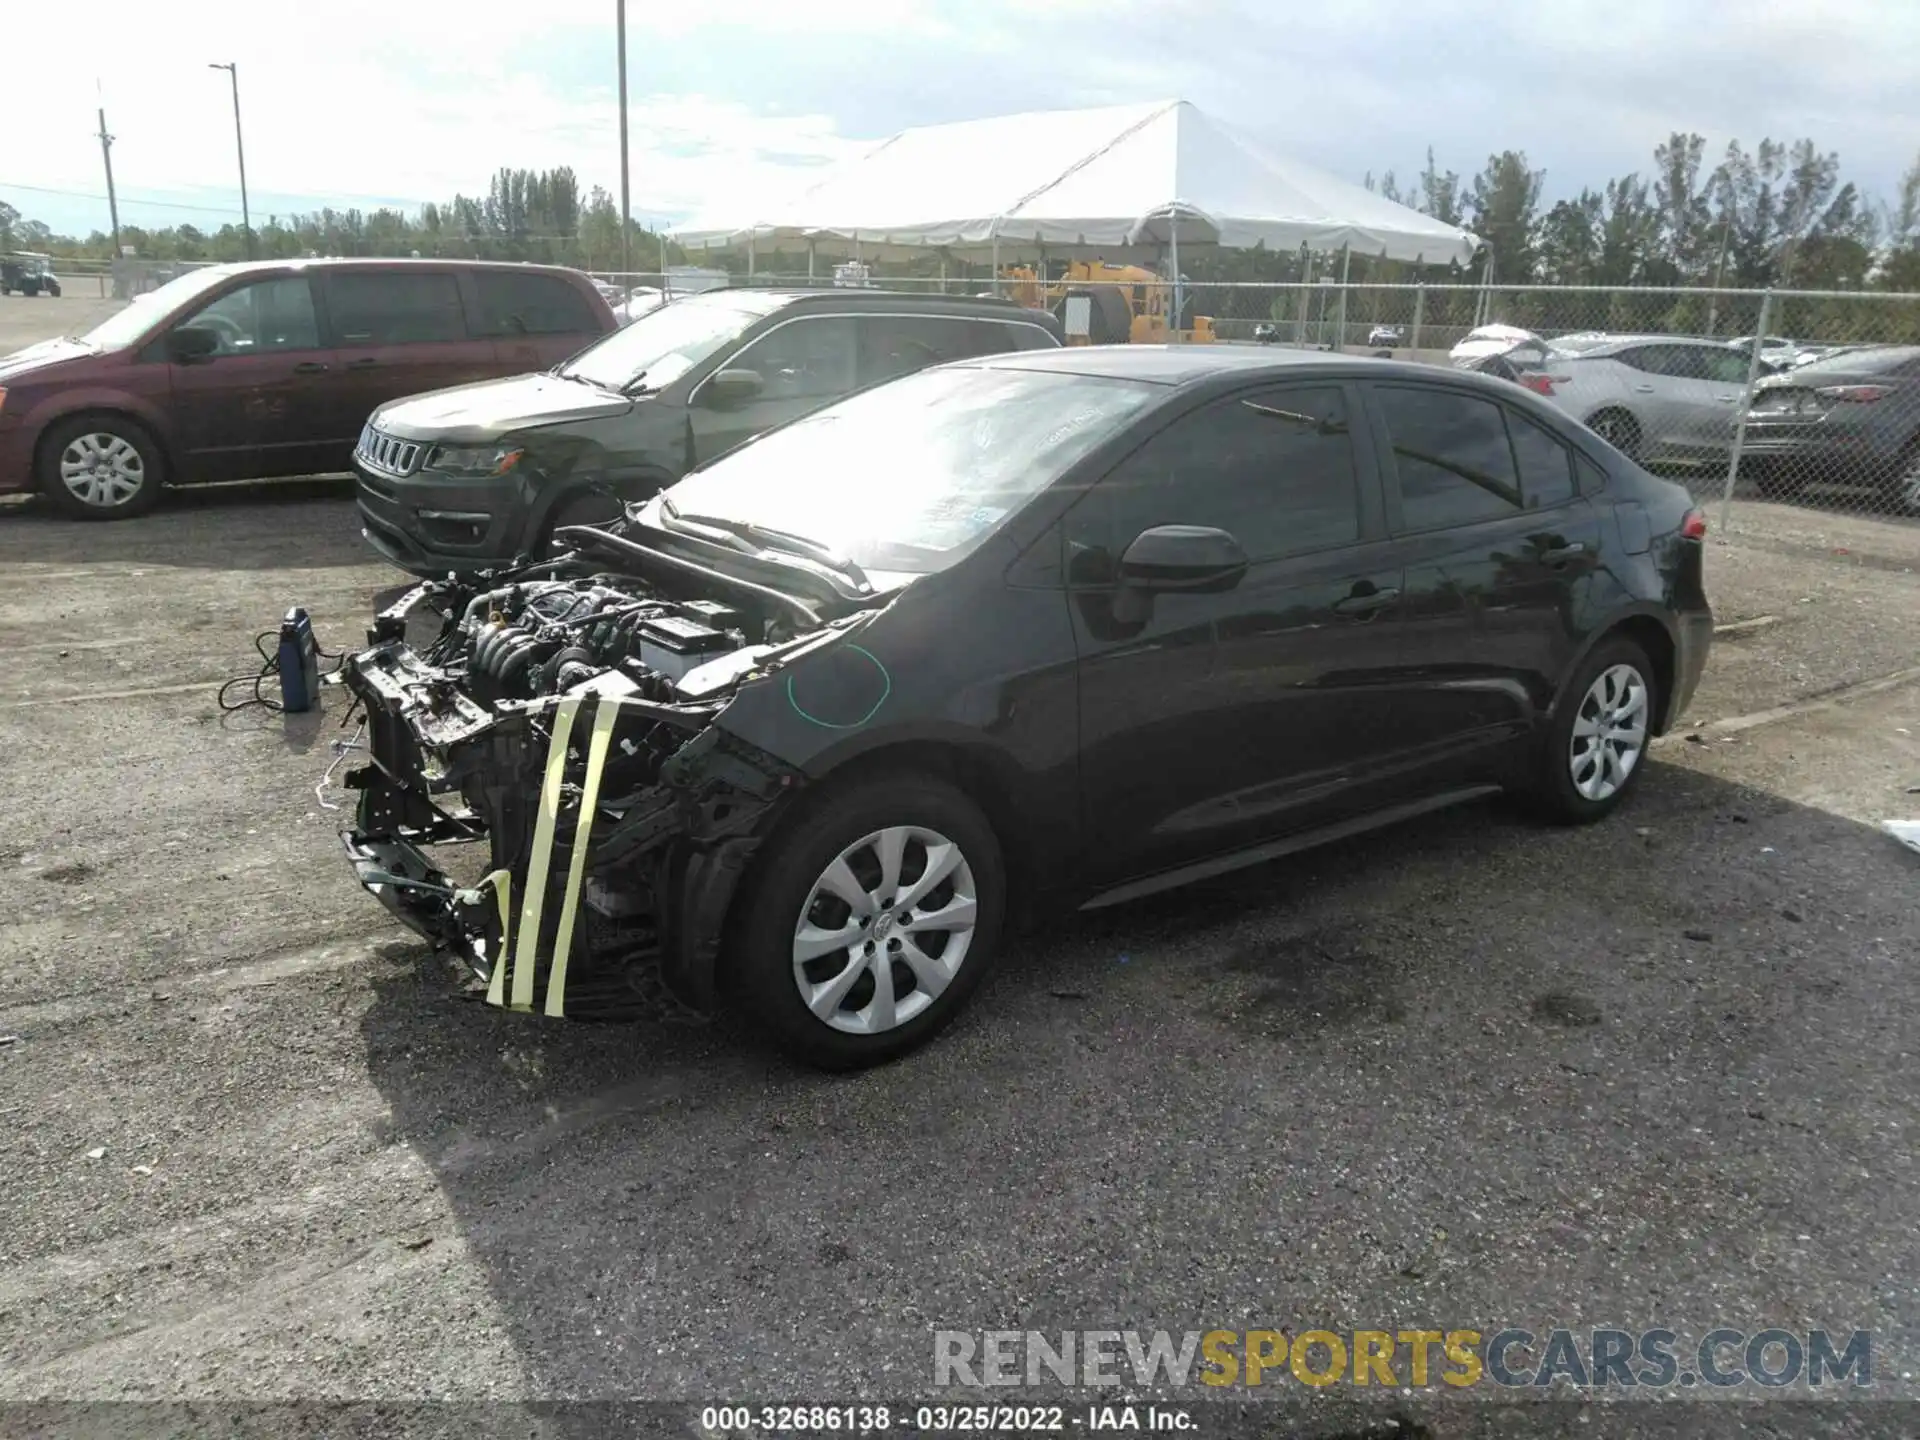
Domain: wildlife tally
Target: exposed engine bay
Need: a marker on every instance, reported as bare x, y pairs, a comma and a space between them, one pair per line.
564, 719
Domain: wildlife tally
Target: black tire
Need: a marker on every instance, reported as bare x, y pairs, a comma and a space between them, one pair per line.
590, 507
1550, 792
760, 973
112, 428
1619, 429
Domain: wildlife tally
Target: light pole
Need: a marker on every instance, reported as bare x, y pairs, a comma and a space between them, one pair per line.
626, 240
239, 145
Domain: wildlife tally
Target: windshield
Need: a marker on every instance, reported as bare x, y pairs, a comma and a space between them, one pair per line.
663, 344
128, 325
1863, 362
914, 474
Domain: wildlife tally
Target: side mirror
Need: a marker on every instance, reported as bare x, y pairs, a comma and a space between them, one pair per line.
191, 343
1195, 558
733, 387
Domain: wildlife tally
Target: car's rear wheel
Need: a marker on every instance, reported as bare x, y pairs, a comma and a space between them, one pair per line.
1592, 754
1906, 479
101, 467
1618, 429
874, 915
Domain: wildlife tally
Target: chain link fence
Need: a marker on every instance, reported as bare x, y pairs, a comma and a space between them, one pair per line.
1807, 398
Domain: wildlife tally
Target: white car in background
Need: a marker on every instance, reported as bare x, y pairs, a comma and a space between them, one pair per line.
1654, 397
1509, 342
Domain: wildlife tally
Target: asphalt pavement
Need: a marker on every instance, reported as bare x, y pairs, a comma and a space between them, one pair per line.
1467, 1074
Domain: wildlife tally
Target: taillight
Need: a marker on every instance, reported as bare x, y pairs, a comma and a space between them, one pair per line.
1854, 394
1694, 527
1539, 384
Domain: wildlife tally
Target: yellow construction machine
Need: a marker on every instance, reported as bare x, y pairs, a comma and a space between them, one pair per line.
1127, 303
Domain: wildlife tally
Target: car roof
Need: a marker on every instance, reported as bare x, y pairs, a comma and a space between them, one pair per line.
355, 262
1180, 365
767, 299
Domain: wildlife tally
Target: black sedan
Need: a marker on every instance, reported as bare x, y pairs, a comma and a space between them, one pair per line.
1851, 416
805, 733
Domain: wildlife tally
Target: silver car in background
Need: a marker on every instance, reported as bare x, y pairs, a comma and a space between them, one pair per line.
1654, 397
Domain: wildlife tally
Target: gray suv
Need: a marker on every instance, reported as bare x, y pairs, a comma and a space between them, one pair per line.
479, 476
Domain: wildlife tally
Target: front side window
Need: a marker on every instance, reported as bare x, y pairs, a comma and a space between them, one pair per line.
264, 316
1452, 455
1274, 469
805, 359
373, 307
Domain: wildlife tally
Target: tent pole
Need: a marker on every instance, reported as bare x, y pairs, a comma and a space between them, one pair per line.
1173, 327
1346, 264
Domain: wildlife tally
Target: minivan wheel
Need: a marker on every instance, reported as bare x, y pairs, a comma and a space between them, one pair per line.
874, 915
1596, 747
101, 467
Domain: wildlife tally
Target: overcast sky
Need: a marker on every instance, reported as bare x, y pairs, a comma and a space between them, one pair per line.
362, 102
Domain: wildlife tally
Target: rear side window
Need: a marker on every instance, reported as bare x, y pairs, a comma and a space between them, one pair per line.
894, 345
395, 307
530, 305
1546, 466
1452, 455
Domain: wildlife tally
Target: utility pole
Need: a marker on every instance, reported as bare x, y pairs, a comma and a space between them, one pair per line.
113, 203
626, 199
246, 218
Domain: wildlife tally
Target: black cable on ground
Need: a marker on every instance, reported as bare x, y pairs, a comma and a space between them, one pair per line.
269, 670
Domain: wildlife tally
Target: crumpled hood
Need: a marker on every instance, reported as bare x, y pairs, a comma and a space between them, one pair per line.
41, 357
492, 408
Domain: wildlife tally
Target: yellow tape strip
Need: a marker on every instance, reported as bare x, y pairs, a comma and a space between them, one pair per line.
604, 719
501, 883
526, 956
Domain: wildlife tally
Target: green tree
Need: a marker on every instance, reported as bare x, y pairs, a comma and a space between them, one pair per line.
1503, 206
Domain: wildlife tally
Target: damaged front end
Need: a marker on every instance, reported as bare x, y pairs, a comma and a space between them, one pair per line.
566, 721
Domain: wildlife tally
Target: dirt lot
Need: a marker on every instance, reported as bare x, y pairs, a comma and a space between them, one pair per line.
1470, 1073
80, 306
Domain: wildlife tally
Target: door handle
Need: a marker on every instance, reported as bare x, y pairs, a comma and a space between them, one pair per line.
366, 363
1561, 554
1361, 606
309, 367
1643, 389
1727, 399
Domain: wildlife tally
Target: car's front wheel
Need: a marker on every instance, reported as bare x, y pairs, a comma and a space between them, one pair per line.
101, 467
874, 915
1596, 747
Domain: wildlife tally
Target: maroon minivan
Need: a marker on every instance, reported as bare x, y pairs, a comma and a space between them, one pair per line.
235, 372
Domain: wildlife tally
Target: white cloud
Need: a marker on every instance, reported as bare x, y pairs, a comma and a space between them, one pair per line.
414, 99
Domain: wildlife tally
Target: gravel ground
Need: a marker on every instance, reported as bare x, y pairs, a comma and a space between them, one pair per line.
1469, 1073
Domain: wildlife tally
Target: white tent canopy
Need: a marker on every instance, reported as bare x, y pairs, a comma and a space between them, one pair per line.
1111, 179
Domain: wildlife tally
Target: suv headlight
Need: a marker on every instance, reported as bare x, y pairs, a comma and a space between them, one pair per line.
473, 462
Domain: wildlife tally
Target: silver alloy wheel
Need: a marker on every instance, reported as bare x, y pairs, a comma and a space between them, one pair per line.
884, 930
1909, 483
1617, 430
1609, 732
102, 470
